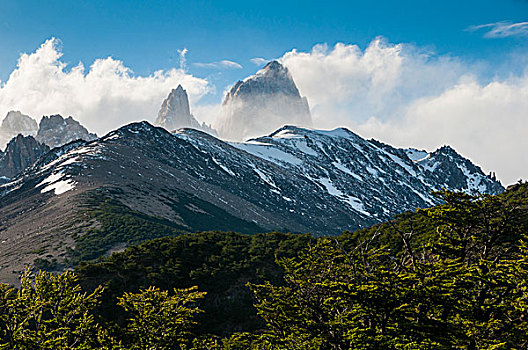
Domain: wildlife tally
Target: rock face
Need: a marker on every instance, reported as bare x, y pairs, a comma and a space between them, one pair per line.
262, 103
21, 152
175, 113
56, 131
16, 123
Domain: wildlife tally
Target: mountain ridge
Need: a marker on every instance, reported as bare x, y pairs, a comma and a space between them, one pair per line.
293, 180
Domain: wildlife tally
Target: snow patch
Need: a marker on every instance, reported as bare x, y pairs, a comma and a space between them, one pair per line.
416, 155
50, 179
401, 163
357, 205
327, 183
339, 132
223, 167
347, 171
268, 153
287, 134
60, 187
303, 147
264, 177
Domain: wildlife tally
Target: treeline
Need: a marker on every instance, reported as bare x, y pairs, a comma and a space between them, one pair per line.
453, 276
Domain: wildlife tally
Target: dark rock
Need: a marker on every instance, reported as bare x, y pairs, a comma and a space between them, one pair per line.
21, 152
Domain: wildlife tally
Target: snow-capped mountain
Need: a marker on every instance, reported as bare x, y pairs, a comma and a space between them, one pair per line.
16, 123
263, 103
56, 131
367, 176
175, 113
284, 180
294, 179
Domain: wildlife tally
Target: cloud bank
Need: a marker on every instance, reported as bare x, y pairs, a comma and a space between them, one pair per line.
103, 97
409, 97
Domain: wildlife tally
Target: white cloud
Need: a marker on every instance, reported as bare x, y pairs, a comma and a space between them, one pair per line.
183, 60
487, 123
208, 113
219, 65
502, 29
346, 84
103, 97
259, 61
410, 97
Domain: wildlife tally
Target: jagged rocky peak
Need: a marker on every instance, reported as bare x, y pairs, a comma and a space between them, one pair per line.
274, 78
16, 123
56, 131
175, 113
262, 103
21, 123
21, 152
453, 171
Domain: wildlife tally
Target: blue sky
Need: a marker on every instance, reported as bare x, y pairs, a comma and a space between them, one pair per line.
148, 34
409, 73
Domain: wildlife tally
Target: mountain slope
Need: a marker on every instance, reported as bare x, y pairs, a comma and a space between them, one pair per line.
87, 199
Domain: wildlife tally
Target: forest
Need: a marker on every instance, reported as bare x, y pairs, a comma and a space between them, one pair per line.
454, 276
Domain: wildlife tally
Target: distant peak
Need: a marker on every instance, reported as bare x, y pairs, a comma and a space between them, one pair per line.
179, 90
261, 103
15, 114
273, 65
175, 113
55, 130
19, 123
273, 68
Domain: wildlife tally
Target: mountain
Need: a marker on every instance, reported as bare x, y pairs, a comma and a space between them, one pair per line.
371, 178
23, 149
56, 131
21, 152
175, 113
87, 199
16, 123
262, 103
